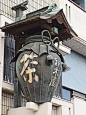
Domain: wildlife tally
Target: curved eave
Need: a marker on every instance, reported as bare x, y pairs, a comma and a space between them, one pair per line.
31, 23
18, 23
68, 25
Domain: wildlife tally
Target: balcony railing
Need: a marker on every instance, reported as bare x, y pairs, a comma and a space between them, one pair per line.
8, 102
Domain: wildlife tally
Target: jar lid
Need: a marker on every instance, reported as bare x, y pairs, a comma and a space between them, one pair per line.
36, 38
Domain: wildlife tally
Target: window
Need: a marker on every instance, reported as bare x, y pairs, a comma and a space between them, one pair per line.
69, 93
8, 102
66, 94
81, 3
54, 110
79, 95
9, 53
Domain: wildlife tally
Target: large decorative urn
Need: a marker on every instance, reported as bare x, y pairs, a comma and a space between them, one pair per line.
38, 68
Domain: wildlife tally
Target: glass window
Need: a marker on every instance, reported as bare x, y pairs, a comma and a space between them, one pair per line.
79, 95
80, 3
9, 53
66, 94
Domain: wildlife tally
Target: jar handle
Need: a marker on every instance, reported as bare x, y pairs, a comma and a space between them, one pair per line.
56, 38
43, 35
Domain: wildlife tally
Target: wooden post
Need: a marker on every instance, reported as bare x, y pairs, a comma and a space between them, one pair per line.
17, 88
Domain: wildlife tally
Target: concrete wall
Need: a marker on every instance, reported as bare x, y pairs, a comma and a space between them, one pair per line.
75, 78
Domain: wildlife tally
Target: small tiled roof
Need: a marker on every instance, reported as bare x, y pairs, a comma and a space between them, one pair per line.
33, 24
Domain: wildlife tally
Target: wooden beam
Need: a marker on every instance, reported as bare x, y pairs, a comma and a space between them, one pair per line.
50, 29
22, 39
27, 27
4, 29
45, 26
17, 88
62, 31
68, 31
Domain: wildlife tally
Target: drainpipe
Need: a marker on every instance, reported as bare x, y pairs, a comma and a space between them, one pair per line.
19, 10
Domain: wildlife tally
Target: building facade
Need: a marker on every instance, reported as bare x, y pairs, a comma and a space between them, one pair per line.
76, 75
74, 51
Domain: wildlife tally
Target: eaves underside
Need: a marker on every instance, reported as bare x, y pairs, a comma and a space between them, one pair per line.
34, 21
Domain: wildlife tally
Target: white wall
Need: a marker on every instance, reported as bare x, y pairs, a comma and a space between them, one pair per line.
61, 107
3, 19
1, 62
79, 107
77, 18
64, 107
1, 65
